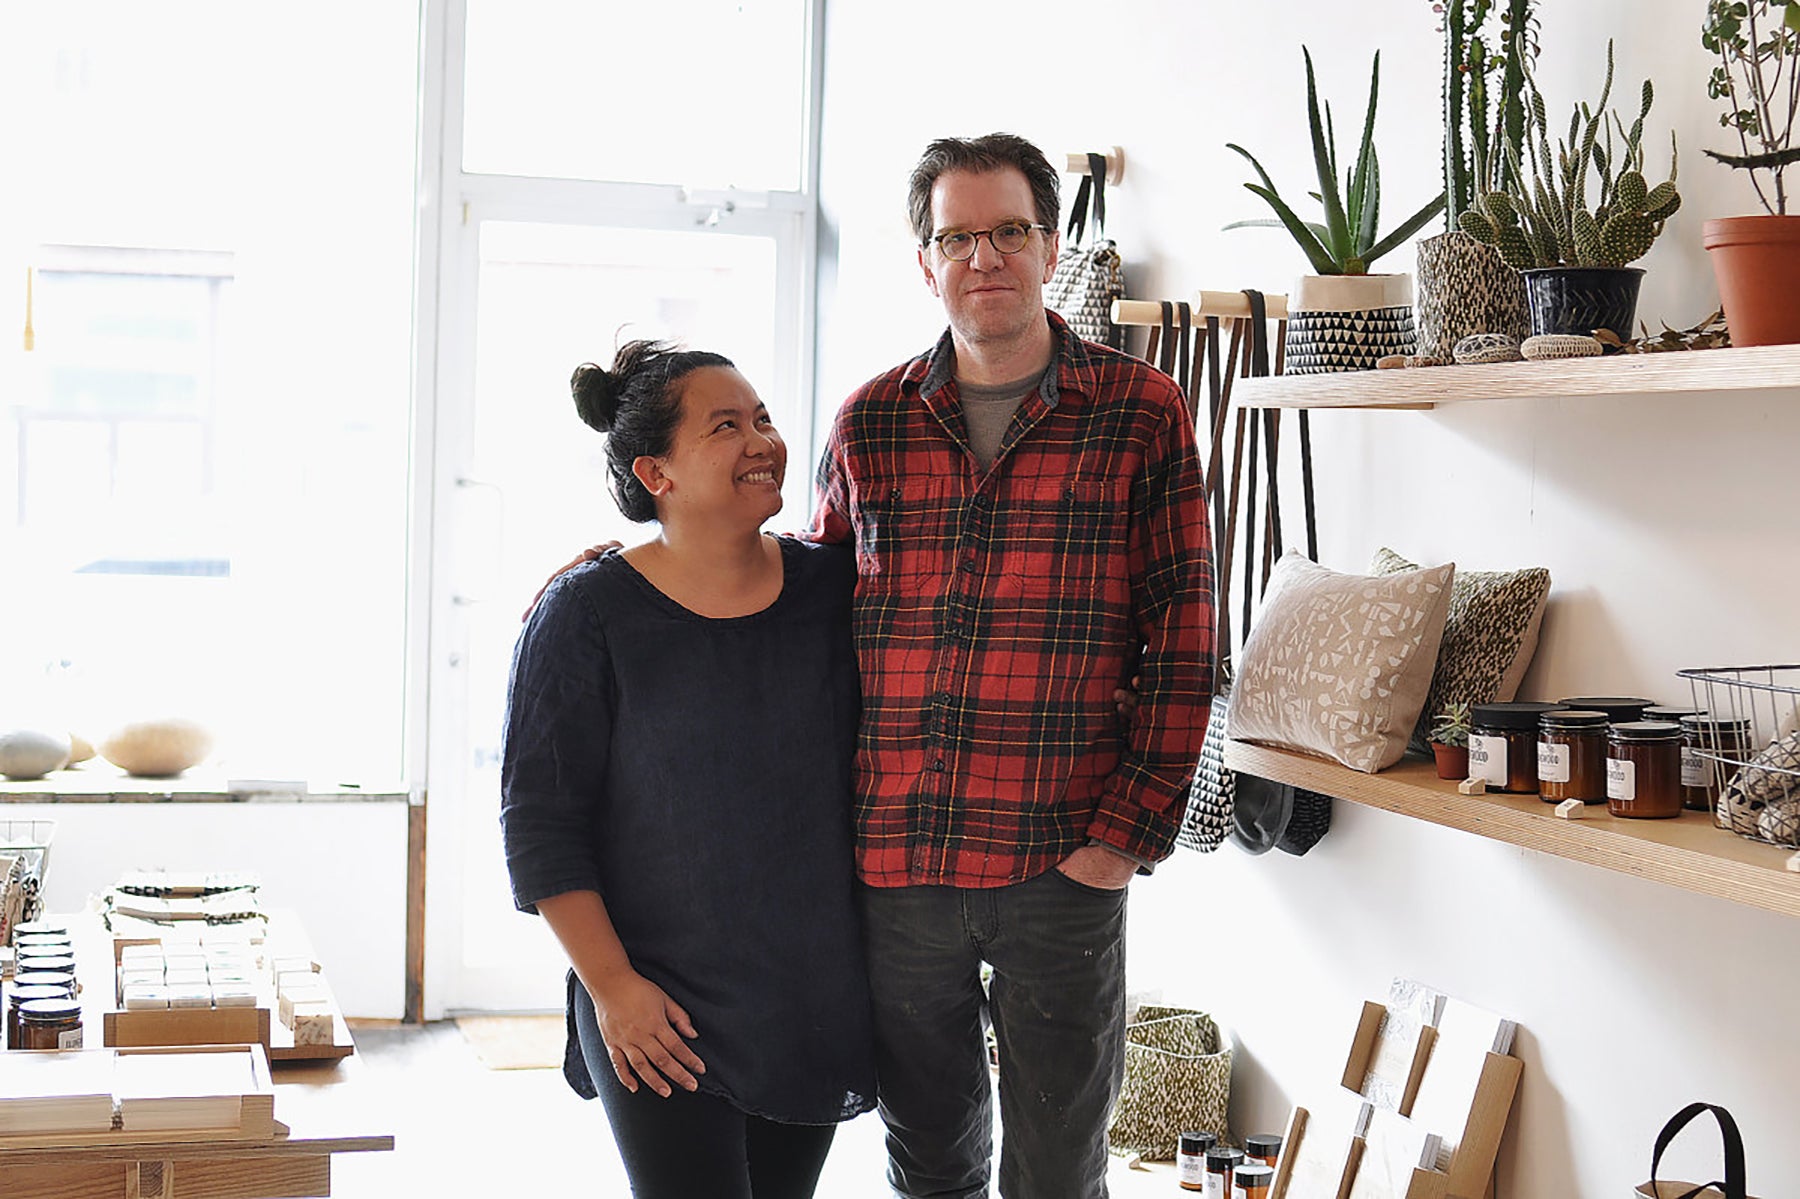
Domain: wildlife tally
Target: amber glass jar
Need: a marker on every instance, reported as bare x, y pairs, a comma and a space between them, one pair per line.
1264, 1148
50, 1024
17, 995
1503, 745
1619, 709
1643, 769
1572, 756
1704, 742
1221, 1160
1252, 1180
1672, 713
1190, 1159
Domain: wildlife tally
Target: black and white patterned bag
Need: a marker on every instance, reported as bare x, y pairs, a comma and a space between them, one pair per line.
1089, 278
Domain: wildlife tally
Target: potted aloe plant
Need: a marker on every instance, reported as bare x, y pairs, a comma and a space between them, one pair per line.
1756, 44
1463, 286
1574, 253
1450, 741
1343, 318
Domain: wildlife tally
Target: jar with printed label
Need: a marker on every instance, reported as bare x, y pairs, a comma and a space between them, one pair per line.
16, 997
1190, 1159
1643, 770
1711, 753
1503, 745
1220, 1162
1264, 1148
1572, 756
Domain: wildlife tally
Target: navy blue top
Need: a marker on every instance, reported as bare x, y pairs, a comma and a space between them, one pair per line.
696, 773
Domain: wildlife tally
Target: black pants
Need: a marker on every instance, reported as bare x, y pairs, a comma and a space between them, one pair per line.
1057, 1005
697, 1146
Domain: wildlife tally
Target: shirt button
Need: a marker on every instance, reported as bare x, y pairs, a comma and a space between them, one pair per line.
968, 564
894, 494
937, 767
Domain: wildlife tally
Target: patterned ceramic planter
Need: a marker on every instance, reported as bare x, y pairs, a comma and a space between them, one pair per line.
1465, 288
1580, 299
1347, 322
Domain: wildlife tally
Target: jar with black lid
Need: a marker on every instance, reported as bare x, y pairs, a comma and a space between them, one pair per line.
1619, 709
1572, 756
1190, 1159
1712, 751
18, 996
1673, 713
1252, 1180
1503, 744
1220, 1162
1643, 770
1264, 1148
50, 1024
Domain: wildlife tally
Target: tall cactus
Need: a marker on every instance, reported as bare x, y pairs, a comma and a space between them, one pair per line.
1478, 122
1542, 217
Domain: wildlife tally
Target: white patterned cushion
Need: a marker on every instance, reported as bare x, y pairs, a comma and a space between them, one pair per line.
1339, 665
1489, 636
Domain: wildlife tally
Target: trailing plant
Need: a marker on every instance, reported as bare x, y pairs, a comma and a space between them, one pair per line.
1757, 78
1452, 725
1345, 242
1477, 119
1542, 218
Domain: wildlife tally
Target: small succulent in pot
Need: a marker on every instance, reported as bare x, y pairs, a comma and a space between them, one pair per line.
1451, 726
1543, 218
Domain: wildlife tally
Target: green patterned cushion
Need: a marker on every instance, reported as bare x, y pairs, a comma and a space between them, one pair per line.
1490, 635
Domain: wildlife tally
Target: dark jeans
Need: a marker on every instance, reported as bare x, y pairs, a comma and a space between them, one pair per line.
1057, 1005
693, 1145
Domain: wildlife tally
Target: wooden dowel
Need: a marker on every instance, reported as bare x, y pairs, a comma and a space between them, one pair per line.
1226, 305
1077, 164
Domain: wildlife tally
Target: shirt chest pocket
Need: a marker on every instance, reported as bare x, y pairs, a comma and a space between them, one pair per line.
905, 530
1064, 538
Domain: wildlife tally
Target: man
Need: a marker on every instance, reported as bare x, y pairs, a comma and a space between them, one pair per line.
1026, 511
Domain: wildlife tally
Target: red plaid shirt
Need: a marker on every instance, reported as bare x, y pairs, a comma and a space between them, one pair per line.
996, 612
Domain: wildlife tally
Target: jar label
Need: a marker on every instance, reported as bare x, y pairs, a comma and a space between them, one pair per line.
1487, 759
1621, 779
1553, 763
70, 1039
1215, 1185
1190, 1169
1696, 771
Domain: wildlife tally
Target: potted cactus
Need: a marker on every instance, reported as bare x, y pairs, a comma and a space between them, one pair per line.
1450, 741
1465, 287
1575, 254
1343, 318
1757, 258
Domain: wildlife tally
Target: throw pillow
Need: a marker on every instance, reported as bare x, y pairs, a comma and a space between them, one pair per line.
1339, 665
1489, 636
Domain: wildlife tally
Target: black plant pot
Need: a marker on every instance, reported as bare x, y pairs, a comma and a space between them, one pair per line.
1580, 299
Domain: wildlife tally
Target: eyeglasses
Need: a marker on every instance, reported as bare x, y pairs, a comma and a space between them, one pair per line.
1009, 238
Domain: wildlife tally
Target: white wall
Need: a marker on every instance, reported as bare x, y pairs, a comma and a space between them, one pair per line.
341, 867
1669, 525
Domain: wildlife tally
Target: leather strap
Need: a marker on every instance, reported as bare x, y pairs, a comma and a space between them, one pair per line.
1734, 1185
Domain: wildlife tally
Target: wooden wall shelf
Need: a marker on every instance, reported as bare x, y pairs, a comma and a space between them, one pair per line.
1748, 369
1687, 852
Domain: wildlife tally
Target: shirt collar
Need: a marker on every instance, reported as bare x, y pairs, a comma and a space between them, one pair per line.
1071, 365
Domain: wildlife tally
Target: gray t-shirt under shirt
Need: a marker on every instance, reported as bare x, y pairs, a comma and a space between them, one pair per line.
987, 411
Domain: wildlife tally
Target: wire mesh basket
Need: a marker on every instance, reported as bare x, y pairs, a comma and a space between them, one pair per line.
1751, 739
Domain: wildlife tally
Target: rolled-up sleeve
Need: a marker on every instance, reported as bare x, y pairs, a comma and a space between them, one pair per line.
559, 718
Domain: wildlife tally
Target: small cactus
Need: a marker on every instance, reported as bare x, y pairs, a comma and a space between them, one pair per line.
1626, 238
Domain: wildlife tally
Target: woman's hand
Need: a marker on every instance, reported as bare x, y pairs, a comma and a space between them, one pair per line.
643, 1030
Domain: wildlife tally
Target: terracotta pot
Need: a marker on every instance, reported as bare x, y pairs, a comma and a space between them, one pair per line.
1452, 761
1756, 260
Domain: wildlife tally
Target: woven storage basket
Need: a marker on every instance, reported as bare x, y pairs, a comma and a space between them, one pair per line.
1177, 1079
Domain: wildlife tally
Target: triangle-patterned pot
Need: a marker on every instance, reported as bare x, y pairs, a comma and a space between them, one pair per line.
1347, 322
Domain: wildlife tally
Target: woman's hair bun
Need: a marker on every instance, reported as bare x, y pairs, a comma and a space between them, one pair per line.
597, 395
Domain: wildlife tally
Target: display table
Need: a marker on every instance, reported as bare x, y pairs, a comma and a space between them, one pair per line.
320, 1110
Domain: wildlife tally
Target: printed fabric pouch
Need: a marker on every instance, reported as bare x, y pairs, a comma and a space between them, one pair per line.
1089, 278
1177, 1079
1732, 1187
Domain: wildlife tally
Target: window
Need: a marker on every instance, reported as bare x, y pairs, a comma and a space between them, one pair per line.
204, 460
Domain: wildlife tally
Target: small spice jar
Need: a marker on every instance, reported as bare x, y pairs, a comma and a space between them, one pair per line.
1503, 745
1221, 1160
50, 1024
1265, 1148
1252, 1180
1572, 756
1711, 753
1190, 1159
1643, 769
18, 996
1619, 709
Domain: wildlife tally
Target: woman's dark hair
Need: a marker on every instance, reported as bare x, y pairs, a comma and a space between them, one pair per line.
981, 156
637, 404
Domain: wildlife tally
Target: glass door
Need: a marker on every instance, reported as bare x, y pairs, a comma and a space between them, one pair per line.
522, 488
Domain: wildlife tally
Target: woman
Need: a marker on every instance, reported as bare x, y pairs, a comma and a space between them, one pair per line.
676, 797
